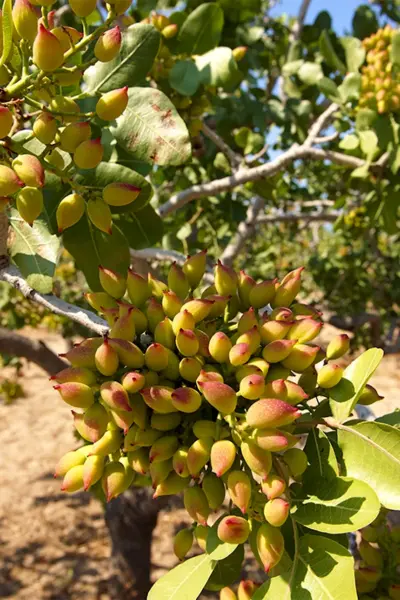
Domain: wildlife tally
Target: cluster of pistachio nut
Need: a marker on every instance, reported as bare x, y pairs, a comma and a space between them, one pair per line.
380, 83
48, 79
197, 389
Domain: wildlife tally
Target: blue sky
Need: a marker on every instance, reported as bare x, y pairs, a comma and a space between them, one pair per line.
341, 11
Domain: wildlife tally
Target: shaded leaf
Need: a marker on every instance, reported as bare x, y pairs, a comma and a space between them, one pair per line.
142, 229
184, 582
34, 251
322, 569
329, 53
140, 45
395, 49
336, 505
344, 396
91, 248
351, 86
152, 130
349, 142
371, 452
228, 569
329, 89
184, 77
202, 30
390, 419
321, 456
355, 53
368, 143
365, 119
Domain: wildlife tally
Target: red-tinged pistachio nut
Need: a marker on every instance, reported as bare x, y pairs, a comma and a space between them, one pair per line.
338, 346
329, 375
223, 454
133, 382
199, 455
247, 321
112, 104
276, 511
164, 334
159, 398
92, 425
252, 387
239, 489
274, 486
115, 396
305, 330
108, 45
245, 285
75, 394
120, 194
172, 305
128, 353
179, 462
106, 359
73, 480
172, 485
258, 460
73, 135
219, 395
239, 354
199, 308
369, 395
25, 20
177, 281
154, 313
300, 358
290, 392
47, 52
187, 342
288, 289
262, 294
156, 357
186, 399
247, 589
163, 449
233, 530
274, 440
271, 412
75, 374
93, 470
89, 154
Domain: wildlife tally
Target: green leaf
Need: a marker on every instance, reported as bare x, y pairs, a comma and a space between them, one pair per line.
321, 456
329, 89
34, 251
361, 172
310, 73
292, 67
349, 142
344, 396
329, 53
184, 77
395, 50
202, 30
351, 86
106, 173
5, 294
228, 570
7, 31
336, 505
322, 569
186, 581
371, 452
217, 67
184, 232
140, 45
365, 119
142, 229
354, 51
390, 419
152, 130
368, 143
91, 248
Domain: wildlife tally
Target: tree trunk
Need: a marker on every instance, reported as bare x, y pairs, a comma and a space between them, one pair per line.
131, 520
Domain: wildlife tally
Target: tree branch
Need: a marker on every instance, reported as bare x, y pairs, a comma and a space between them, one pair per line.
159, 255
245, 174
298, 26
35, 351
57, 306
288, 218
244, 231
234, 158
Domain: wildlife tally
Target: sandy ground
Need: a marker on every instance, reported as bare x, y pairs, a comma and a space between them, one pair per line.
54, 546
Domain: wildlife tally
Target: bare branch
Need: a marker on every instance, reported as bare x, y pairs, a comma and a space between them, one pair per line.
291, 217
244, 231
256, 157
57, 306
234, 158
228, 183
35, 351
320, 124
327, 138
336, 157
159, 255
298, 26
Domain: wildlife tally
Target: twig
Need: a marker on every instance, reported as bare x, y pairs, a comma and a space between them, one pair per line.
234, 158
320, 124
159, 255
256, 157
327, 217
244, 231
57, 306
298, 26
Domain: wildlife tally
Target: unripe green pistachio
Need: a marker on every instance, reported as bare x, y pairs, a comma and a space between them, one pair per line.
139, 461
201, 534
368, 396
30, 204
196, 504
199, 308
258, 460
73, 480
171, 486
227, 594
68, 461
194, 268
190, 367
262, 294
47, 52
187, 342
25, 20
106, 359
70, 210
120, 194
225, 280
296, 460
163, 449
83, 8
179, 462
219, 395
75, 374
92, 424
239, 354
223, 454
109, 443
288, 289
214, 489
301, 357
93, 470
138, 288
112, 104
156, 357
112, 282
276, 512
329, 375
165, 422
183, 542
128, 353
75, 394
245, 285
199, 455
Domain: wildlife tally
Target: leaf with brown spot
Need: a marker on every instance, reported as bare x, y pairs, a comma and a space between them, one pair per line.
152, 130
